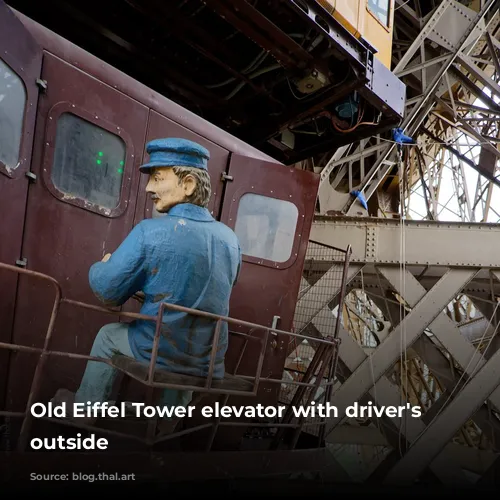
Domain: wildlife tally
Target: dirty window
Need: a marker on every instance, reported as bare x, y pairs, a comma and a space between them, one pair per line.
88, 161
380, 9
266, 227
12, 104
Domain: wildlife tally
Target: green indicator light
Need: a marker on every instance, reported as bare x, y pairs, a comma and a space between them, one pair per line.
100, 153
122, 163
120, 170
99, 162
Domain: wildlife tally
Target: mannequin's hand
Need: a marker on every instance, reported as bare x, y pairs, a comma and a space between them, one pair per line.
139, 296
106, 257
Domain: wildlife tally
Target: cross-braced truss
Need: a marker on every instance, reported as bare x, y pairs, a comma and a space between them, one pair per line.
421, 314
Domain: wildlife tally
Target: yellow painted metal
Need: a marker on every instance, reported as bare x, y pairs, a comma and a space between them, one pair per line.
378, 34
356, 16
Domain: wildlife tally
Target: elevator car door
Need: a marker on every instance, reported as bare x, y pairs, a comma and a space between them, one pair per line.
270, 207
88, 147
20, 66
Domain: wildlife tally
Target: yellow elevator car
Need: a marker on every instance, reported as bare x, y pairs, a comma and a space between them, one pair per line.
368, 19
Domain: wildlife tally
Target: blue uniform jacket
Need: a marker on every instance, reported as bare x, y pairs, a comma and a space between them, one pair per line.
185, 258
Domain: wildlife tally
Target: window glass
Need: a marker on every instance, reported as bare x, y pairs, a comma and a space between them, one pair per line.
88, 161
12, 103
380, 9
266, 227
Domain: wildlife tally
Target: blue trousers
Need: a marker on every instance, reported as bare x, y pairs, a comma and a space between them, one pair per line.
98, 379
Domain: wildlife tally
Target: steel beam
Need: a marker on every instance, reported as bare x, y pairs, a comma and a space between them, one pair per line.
425, 242
442, 327
442, 430
474, 460
385, 393
449, 378
257, 27
415, 117
402, 337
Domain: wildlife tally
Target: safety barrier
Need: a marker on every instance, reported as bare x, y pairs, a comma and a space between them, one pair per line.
327, 354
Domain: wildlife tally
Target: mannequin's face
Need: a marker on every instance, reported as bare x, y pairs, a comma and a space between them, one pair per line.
166, 190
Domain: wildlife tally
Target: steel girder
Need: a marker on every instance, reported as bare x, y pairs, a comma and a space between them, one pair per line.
427, 296
427, 243
384, 392
402, 337
416, 116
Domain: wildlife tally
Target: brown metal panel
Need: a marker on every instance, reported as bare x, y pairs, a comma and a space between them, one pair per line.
160, 126
266, 289
21, 53
63, 235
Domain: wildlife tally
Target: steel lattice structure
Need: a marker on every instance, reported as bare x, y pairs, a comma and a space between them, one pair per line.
420, 321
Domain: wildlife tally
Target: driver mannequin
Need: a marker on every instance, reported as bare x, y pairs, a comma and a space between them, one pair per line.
185, 258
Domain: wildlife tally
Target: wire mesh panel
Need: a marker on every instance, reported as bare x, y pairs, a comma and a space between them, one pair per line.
322, 280
317, 315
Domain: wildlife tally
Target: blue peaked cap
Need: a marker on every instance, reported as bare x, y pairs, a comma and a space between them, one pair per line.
174, 152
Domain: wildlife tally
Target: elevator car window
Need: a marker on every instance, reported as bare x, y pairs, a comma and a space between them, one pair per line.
88, 161
12, 104
266, 227
380, 9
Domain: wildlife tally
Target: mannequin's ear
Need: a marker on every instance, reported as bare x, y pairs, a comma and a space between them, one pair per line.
189, 185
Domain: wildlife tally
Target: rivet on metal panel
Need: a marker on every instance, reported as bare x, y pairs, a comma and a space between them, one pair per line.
371, 239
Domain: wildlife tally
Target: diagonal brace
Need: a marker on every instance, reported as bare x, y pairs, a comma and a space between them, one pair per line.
442, 430
402, 337
385, 393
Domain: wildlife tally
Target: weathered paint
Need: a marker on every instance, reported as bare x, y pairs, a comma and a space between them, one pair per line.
21, 52
64, 236
162, 126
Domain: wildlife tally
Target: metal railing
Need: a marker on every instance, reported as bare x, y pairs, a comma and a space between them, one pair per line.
325, 272
329, 349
